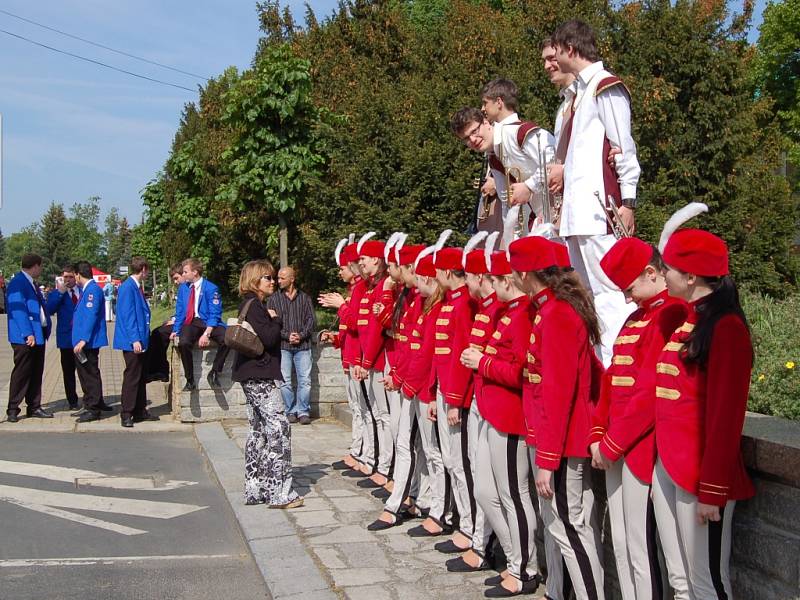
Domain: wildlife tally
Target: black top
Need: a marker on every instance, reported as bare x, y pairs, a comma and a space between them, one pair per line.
268, 365
297, 315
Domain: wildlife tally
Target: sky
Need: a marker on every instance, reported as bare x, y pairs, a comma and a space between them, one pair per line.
72, 130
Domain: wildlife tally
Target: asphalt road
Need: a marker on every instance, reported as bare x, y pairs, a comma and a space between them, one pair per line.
105, 516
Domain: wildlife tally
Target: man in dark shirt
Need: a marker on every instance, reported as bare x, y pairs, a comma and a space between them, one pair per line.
295, 309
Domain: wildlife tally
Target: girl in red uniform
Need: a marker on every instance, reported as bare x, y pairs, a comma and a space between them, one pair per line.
621, 440
561, 369
702, 385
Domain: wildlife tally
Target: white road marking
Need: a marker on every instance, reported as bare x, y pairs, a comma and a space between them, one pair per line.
126, 506
84, 477
84, 520
105, 560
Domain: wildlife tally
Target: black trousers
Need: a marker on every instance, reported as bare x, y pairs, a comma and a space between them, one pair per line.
189, 335
68, 372
156, 363
91, 382
26, 378
134, 386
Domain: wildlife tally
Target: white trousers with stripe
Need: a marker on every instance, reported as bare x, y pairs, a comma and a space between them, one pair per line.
503, 491
633, 534
455, 455
585, 252
697, 556
370, 448
357, 425
379, 399
407, 452
574, 529
482, 530
438, 480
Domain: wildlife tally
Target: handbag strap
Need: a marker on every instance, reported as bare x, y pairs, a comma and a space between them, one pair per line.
243, 313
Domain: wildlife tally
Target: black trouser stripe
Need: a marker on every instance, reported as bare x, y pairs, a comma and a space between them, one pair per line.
657, 587
715, 554
512, 445
446, 506
376, 446
412, 463
467, 465
566, 586
562, 507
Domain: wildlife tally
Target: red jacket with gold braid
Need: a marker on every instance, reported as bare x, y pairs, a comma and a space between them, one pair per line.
490, 309
370, 331
625, 414
561, 364
452, 337
348, 316
398, 359
700, 411
419, 381
500, 399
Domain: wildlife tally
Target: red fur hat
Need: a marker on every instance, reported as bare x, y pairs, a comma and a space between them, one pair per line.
626, 260
425, 266
349, 255
408, 254
448, 259
698, 252
500, 264
532, 253
372, 248
562, 255
476, 262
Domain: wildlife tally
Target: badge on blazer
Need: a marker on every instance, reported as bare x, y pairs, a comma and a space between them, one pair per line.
91, 297
89, 304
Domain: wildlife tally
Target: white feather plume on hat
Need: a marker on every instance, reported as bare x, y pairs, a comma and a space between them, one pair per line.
401, 241
471, 244
491, 240
509, 224
339, 247
363, 239
351, 238
680, 217
441, 241
390, 244
423, 254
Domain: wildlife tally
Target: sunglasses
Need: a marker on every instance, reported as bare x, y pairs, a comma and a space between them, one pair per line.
267, 277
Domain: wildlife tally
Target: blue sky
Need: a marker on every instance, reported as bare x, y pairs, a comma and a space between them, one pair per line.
73, 130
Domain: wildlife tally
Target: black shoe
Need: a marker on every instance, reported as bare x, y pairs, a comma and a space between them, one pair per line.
127, 421
304, 420
106, 408
13, 418
88, 416
78, 412
213, 380
528, 587
189, 387
420, 532
39, 413
368, 484
340, 465
292, 418
449, 547
458, 565
145, 416
380, 525
352, 473
381, 493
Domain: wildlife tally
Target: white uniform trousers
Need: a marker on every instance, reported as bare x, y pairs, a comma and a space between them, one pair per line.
585, 252
482, 536
405, 455
555, 582
357, 425
574, 530
438, 479
697, 553
455, 455
379, 399
371, 447
393, 398
503, 491
633, 534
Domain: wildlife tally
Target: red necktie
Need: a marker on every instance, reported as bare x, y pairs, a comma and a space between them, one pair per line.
190, 307
74, 297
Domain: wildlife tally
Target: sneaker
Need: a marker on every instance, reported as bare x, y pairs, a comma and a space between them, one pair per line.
296, 503
305, 420
292, 418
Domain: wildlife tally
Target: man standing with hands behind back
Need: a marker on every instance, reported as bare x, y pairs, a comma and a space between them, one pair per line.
28, 330
132, 335
297, 314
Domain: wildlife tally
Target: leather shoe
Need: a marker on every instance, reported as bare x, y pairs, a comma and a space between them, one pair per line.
527, 587
368, 484
380, 493
78, 412
379, 525
448, 547
105, 407
145, 416
304, 420
213, 380
88, 416
127, 421
13, 418
420, 532
189, 387
458, 565
39, 413
340, 465
292, 418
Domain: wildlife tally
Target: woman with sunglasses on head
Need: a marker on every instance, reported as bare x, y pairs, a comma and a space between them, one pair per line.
268, 453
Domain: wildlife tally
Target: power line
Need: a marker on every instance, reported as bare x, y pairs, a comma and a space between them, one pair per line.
96, 62
84, 40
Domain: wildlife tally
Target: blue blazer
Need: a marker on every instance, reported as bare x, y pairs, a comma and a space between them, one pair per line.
24, 318
61, 305
209, 308
133, 317
89, 323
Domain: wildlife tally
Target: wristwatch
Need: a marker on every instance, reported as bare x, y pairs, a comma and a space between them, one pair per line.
630, 203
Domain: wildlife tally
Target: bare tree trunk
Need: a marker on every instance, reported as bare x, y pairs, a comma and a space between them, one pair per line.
283, 241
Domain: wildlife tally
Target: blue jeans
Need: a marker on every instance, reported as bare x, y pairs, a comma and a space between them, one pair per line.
301, 359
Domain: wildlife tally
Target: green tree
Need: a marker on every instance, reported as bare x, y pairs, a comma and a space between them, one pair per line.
2, 247
85, 239
18, 244
54, 241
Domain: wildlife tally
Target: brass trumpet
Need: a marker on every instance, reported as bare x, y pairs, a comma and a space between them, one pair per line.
613, 217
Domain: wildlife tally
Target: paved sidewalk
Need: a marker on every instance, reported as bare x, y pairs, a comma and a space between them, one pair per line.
331, 526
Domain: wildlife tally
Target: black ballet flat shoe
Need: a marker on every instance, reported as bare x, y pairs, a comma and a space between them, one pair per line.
340, 465
379, 525
420, 532
493, 580
352, 473
380, 493
368, 484
527, 587
459, 565
449, 547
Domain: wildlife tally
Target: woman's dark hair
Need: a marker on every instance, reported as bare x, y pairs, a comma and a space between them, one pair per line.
399, 304
723, 300
656, 261
434, 299
567, 287
379, 274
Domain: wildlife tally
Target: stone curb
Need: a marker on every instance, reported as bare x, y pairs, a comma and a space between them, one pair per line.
287, 568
